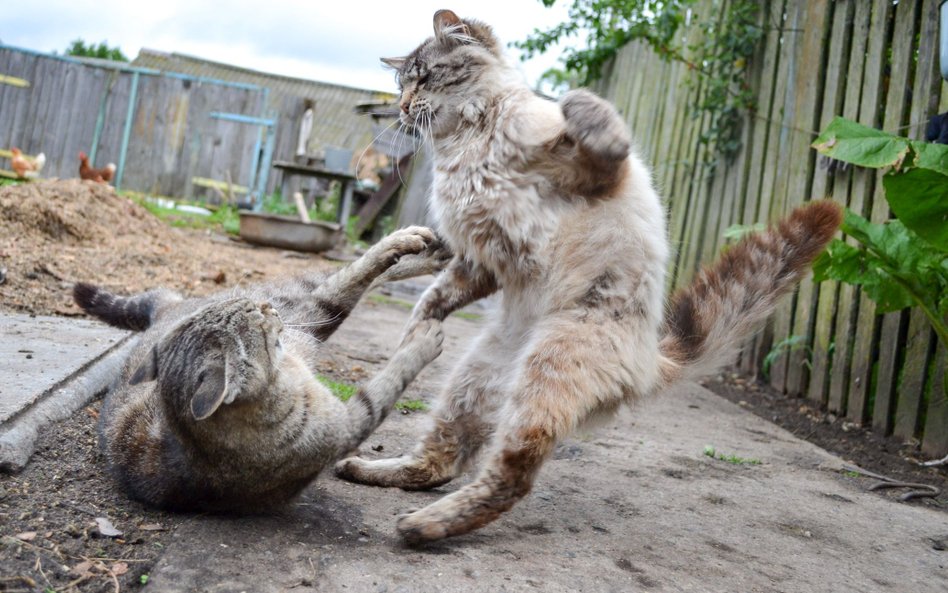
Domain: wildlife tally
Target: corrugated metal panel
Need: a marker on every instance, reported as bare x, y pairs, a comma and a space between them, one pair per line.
335, 122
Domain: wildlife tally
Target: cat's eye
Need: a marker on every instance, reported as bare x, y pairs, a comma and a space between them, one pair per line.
423, 78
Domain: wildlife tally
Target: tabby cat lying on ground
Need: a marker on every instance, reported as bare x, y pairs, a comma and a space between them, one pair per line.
547, 202
218, 406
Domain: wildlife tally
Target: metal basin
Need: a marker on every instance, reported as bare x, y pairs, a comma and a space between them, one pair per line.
288, 233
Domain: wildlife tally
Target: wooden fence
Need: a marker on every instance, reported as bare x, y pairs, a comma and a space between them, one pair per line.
162, 130
872, 61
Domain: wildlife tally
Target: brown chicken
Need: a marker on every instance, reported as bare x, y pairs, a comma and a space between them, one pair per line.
103, 175
24, 167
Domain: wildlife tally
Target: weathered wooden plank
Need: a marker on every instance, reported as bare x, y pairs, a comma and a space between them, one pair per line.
804, 44
896, 116
844, 315
870, 113
935, 435
684, 174
779, 141
761, 138
811, 81
824, 185
925, 97
699, 186
667, 149
674, 161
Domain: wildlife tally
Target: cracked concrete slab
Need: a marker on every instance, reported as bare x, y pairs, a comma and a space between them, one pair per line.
51, 366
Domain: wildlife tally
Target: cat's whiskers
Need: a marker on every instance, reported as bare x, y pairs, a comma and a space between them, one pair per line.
404, 131
371, 144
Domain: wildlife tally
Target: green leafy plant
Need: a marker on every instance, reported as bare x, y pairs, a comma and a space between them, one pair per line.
790, 344
324, 209
719, 59
902, 262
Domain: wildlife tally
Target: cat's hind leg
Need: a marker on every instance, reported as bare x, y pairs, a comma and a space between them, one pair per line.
566, 377
461, 422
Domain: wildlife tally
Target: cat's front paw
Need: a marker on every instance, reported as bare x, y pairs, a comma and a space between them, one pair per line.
430, 261
424, 341
407, 241
594, 124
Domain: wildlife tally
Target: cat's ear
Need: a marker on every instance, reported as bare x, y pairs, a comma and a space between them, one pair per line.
394, 63
449, 28
147, 370
210, 393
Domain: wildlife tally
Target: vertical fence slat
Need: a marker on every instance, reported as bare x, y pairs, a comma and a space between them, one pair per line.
891, 338
813, 83
834, 96
925, 95
792, 319
861, 201
839, 372
761, 139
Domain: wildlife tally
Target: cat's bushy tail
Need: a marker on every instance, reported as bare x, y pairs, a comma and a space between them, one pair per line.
134, 313
726, 303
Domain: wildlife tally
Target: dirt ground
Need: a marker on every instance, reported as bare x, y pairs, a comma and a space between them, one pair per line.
891, 457
54, 233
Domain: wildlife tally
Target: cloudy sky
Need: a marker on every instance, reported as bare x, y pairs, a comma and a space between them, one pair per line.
330, 40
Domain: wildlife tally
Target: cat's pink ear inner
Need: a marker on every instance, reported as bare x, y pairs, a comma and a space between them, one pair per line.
445, 21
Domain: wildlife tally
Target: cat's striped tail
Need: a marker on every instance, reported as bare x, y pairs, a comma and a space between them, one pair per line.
134, 313
728, 301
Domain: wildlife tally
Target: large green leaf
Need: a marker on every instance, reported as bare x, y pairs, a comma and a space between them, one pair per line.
853, 265
931, 156
919, 198
894, 267
861, 145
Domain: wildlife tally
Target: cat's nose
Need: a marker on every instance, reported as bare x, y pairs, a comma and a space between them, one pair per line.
264, 307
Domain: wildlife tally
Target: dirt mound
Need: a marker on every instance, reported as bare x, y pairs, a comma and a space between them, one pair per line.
54, 233
72, 210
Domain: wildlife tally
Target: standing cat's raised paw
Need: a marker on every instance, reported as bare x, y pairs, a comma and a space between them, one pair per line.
594, 123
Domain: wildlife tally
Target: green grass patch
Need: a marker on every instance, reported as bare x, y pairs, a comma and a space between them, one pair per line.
467, 315
341, 390
223, 217
387, 300
732, 459
412, 405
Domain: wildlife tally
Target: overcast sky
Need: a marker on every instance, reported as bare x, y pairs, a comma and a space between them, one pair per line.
330, 40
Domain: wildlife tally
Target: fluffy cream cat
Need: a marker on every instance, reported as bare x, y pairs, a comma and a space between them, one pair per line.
546, 202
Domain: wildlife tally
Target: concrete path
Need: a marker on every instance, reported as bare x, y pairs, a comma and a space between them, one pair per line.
49, 366
632, 506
